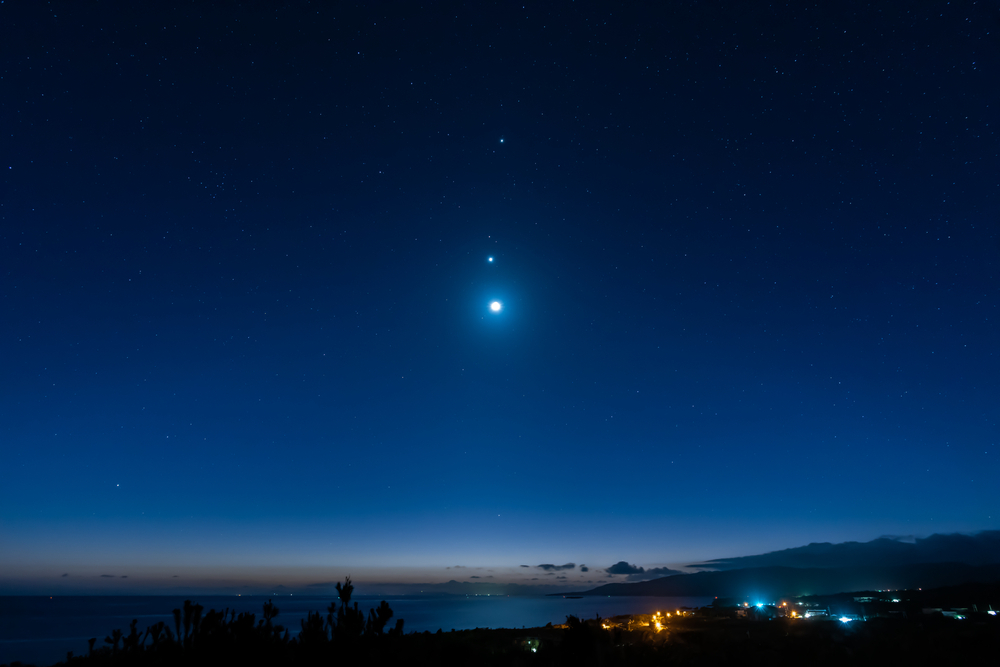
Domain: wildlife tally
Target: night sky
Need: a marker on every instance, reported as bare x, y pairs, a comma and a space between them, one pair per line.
746, 255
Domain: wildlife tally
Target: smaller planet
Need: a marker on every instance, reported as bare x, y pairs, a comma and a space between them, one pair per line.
496, 306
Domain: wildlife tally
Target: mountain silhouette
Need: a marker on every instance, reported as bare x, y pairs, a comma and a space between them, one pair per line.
978, 549
769, 583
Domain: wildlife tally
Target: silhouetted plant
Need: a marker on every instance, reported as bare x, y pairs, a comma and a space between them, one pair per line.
177, 623
344, 592
192, 618
114, 639
331, 615
225, 637
350, 623
350, 620
131, 641
270, 611
377, 618
314, 630
154, 632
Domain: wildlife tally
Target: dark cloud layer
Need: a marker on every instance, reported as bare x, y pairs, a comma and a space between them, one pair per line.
622, 567
549, 567
637, 573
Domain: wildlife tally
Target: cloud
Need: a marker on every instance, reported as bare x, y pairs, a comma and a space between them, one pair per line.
65, 575
525, 566
555, 568
124, 576
475, 576
318, 583
636, 573
584, 568
622, 567
108, 576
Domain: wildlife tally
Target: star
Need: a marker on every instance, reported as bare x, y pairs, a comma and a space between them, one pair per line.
489, 259
496, 306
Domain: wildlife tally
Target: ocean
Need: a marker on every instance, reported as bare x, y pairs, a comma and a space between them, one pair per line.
41, 630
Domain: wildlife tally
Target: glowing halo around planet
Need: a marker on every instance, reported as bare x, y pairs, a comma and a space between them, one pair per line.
495, 306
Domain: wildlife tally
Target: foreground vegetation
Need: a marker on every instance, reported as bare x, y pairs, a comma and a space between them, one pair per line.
346, 636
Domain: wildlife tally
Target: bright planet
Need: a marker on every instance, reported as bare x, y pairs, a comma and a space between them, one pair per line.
495, 306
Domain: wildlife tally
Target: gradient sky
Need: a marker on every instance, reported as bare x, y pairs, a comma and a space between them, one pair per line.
747, 256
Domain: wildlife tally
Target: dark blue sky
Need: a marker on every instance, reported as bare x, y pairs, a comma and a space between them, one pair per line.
747, 256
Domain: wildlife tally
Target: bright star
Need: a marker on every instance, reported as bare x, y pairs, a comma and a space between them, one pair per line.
495, 306
501, 140
489, 259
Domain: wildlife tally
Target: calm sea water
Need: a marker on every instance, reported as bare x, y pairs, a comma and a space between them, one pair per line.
41, 630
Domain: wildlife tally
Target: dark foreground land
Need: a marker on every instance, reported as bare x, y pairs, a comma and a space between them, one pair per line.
901, 632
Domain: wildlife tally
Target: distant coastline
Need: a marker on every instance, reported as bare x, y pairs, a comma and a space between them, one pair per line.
779, 580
